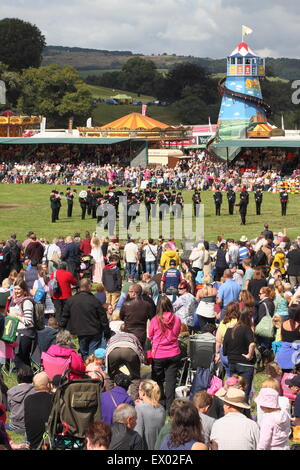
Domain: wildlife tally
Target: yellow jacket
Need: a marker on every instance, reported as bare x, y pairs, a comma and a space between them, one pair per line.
279, 258
166, 258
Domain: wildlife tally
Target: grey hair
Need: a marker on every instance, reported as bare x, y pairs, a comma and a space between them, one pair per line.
64, 338
123, 412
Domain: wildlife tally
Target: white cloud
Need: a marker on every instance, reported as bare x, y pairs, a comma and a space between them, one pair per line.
189, 27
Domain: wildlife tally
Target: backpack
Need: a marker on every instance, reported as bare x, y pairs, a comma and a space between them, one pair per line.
40, 295
259, 259
54, 286
38, 314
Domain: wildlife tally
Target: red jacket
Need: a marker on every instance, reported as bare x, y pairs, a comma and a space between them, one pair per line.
85, 246
65, 280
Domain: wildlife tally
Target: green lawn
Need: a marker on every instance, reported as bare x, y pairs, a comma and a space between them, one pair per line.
106, 93
27, 207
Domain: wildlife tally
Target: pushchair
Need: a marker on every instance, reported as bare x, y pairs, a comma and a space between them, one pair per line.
86, 267
201, 356
76, 405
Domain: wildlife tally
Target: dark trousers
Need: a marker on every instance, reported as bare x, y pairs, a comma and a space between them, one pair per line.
165, 370
89, 344
218, 209
53, 215
243, 218
83, 211
204, 321
59, 307
219, 273
244, 371
283, 208
119, 357
25, 349
231, 207
258, 206
70, 209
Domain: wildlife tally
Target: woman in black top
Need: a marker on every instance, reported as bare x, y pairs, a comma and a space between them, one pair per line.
265, 306
290, 329
239, 347
256, 284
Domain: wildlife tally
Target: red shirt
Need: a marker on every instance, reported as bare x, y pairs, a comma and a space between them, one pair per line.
85, 246
65, 280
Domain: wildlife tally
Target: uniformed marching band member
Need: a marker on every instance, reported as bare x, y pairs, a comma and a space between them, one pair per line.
258, 197
218, 198
94, 203
153, 200
53, 205
196, 198
83, 195
89, 198
243, 205
231, 197
179, 205
70, 200
284, 199
147, 199
173, 203
162, 202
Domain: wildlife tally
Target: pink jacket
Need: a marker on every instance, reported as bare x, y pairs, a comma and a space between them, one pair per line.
77, 364
165, 342
274, 430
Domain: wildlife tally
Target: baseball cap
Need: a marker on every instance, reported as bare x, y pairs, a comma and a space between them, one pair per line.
100, 353
295, 381
172, 262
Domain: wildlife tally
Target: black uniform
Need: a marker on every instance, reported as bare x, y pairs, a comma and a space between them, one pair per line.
284, 199
83, 205
231, 197
258, 196
89, 199
58, 196
162, 202
70, 200
243, 205
196, 198
218, 201
54, 206
177, 210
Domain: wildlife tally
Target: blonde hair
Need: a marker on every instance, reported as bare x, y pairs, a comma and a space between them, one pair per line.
6, 283
271, 383
151, 390
90, 359
273, 370
277, 320
115, 315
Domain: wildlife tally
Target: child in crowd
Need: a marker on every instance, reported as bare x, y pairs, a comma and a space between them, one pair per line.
95, 366
275, 425
109, 310
115, 323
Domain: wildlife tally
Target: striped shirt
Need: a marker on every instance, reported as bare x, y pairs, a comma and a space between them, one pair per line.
243, 253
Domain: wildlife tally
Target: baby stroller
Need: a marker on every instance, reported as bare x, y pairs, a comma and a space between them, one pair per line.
76, 405
199, 367
86, 267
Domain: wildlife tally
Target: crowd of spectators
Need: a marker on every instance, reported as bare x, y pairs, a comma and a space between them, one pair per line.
133, 331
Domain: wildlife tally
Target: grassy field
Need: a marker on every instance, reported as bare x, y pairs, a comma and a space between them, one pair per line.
27, 207
106, 93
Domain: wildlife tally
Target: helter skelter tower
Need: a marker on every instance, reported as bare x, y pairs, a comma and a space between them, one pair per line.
242, 105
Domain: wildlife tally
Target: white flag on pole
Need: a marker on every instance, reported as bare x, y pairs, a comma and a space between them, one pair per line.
246, 30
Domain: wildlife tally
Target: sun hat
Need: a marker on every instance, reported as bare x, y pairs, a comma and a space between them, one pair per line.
100, 353
243, 239
235, 397
268, 397
294, 382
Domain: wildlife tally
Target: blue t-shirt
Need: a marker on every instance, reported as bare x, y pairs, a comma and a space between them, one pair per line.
228, 292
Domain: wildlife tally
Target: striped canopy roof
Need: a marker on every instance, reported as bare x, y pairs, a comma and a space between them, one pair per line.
135, 121
243, 50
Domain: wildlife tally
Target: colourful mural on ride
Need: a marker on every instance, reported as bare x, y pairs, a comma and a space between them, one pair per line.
242, 104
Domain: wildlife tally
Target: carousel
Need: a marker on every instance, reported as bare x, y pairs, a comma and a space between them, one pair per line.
12, 125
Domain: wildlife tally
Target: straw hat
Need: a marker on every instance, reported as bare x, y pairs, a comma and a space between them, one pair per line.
235, 397
243, 239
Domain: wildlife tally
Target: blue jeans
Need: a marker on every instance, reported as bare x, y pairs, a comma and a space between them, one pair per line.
244, 371
88, 344
131, 269
151, 267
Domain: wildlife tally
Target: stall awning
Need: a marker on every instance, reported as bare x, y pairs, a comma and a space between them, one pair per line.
257, 143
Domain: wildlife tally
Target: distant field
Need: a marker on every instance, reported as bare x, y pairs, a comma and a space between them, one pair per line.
27, 207
99, 72
105, 113
106, 93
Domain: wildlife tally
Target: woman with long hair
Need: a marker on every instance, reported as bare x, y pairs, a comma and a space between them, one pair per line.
42, 282
281, 300
22, 307
186, 430
164, 330
265, 307
239, 346
246, 301
207, 299
256, 283
150, 414
97, 254
231, 317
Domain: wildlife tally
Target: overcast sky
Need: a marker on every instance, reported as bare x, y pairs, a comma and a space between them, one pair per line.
202, 28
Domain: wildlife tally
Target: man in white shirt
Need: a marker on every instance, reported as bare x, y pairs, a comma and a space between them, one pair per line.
53, 255
131, 258
235, 431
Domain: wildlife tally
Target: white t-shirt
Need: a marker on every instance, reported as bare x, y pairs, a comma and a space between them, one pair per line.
150, 253
131, 251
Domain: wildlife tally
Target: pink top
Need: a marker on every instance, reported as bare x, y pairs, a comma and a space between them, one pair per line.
274, 430
165, 342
